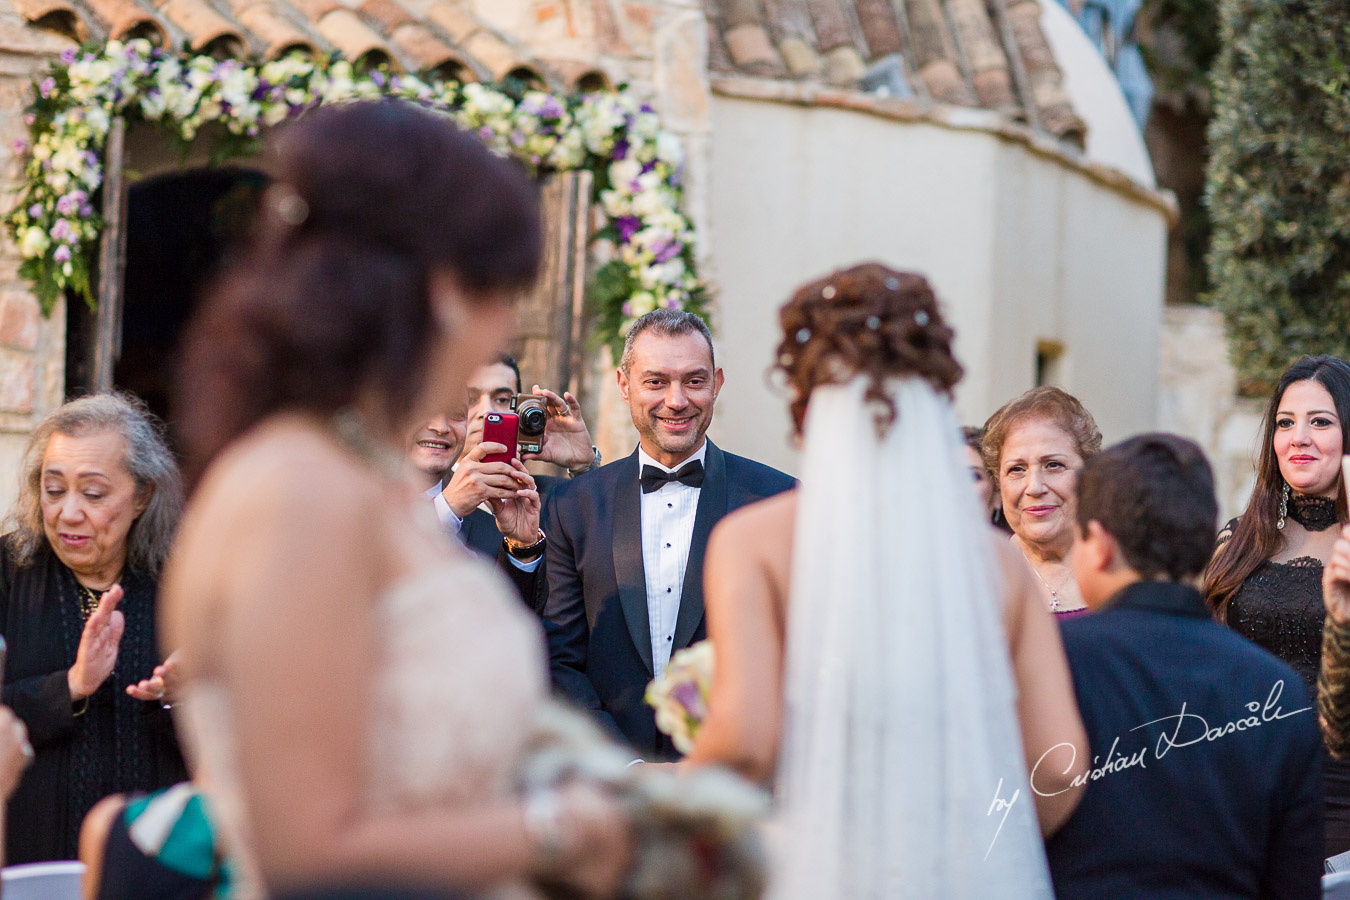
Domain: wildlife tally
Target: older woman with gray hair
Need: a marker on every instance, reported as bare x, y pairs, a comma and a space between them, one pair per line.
98, 503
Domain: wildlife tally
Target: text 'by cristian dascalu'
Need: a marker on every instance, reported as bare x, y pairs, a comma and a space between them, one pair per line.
1184, 729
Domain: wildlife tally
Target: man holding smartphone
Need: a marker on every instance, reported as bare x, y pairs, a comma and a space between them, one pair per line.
493, 506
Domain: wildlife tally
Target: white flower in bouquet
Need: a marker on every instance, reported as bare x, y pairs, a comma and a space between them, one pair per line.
35, 242
680, 695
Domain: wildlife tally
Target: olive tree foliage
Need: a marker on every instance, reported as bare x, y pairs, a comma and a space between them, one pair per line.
1278, 183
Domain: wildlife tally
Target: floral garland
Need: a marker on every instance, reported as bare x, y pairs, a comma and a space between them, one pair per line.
636, 166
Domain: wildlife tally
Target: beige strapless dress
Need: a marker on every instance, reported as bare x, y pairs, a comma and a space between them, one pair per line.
460, 679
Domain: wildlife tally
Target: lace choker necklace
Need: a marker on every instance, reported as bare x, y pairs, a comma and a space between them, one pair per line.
1313, 513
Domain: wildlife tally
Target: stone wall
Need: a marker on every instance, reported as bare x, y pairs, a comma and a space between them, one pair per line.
32, 347
1199, 400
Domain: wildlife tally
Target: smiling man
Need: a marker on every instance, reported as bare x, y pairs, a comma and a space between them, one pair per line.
626, 542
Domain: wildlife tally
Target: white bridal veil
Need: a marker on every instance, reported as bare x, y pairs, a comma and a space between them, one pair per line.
900, 722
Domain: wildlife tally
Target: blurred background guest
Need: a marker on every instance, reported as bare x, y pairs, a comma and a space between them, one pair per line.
972, 442
863, 655
1034, 446
1265, 580
98, 503
336, 646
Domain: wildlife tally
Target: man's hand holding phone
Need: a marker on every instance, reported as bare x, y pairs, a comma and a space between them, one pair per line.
476, 480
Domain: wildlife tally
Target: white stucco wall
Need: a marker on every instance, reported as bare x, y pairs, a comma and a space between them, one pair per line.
1021, 248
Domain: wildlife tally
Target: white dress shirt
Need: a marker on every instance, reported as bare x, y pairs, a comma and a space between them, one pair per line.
453, 523
667, 531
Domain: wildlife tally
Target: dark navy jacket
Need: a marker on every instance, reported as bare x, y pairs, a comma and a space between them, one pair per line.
1221, 796
599, 642
479, 533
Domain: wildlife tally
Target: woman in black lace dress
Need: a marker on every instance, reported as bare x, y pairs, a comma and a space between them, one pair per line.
1266, 577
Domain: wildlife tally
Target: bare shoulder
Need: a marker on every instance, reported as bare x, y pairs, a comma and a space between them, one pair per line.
282, 468
762, 527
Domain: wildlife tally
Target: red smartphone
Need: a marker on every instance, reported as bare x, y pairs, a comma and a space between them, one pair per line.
501, 428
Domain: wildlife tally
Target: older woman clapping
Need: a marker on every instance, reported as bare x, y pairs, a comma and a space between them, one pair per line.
98, 502
1033, 447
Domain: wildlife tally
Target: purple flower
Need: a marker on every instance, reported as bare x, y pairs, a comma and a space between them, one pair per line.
20, 148
90, 158
621, 147
646, 107
377, 77
517, 138
551, 109
35, 211
673, 303
67, 205
687, 694
47, 87
485, 133
666, 250
62, 254
29, 118
68, 56
86, 211
628, 310
61, 230
627, 227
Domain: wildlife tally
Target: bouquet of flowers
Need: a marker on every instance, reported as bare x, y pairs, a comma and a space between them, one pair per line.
697, 833
680, 695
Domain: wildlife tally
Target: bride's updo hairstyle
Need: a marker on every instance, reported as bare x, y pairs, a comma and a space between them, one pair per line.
332, 299
868, 320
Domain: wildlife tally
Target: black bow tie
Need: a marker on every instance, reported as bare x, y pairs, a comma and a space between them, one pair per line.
653, 479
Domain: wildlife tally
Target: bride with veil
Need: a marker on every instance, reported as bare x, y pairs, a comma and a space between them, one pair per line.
878, 660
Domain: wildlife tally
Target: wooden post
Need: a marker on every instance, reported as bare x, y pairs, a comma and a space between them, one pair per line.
551, 341
112, 259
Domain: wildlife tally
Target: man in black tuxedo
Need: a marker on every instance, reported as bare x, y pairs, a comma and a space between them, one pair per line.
478, 500
626, 542
1206, 776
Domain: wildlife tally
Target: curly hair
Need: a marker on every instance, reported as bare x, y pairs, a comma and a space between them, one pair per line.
869, 320
1048, 404
147, 459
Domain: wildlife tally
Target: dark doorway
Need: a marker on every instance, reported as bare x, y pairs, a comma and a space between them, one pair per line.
181, 229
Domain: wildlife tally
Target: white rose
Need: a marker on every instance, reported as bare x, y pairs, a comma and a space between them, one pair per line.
34, 242
668, 149
623, 173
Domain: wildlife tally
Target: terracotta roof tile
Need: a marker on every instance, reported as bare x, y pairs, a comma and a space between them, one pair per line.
200, 22
275, 34
122, 17
970, 53
59, 14
431, 35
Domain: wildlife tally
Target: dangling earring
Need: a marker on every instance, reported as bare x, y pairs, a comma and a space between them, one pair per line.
1284, 506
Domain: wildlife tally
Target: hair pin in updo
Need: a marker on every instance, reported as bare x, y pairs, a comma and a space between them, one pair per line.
829, 292
892, 283
291, 207
873, 322
803, 335
921, 318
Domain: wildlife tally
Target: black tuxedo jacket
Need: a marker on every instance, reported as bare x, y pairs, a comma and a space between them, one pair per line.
600, 650
479, 533
1235, 814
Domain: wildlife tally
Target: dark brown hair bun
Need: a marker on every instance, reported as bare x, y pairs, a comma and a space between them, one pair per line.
870, 320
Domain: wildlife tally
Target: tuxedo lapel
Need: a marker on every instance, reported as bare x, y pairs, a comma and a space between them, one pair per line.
628, 571
712, 506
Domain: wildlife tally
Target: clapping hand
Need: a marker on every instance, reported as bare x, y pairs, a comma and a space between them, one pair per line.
567, 441
99, 642
1336, 580
163, 683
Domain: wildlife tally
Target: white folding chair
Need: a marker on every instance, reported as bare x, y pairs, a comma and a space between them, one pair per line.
43, 881
1334, 887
